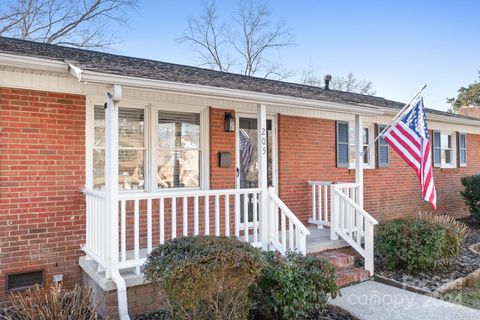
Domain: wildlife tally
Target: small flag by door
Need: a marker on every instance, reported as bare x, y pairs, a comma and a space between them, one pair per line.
411, 139
246, 151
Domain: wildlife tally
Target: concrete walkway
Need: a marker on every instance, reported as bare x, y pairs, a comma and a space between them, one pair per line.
372, 300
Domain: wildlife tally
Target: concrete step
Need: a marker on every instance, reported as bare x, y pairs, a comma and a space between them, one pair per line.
346, 277
319, 240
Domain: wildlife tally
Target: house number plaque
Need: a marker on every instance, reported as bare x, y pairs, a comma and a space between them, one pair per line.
264, 141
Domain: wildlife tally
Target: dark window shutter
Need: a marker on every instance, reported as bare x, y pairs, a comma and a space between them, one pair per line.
462, 149
382, 150
342, 144
437, 150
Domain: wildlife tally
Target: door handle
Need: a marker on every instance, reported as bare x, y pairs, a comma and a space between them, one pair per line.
238, 172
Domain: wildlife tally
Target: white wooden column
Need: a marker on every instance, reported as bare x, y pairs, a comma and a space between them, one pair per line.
262, 174
111, 196
359, 158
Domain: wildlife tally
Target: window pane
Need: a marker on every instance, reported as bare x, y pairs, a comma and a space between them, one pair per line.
447, 156
98, 169
130, 128
99, 126
436, 139
445, 141
130, 169
383, 155
342, 132
178, 168
463, 156
178, 130
462, 141
365, 135
437, 153
366, 155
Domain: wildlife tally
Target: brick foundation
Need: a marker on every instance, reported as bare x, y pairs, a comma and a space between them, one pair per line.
141, 299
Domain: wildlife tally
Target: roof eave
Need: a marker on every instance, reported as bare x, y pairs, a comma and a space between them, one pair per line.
225, 93
34, 63
440, 118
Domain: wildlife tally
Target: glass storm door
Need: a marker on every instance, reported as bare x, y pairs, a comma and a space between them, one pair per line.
247, 160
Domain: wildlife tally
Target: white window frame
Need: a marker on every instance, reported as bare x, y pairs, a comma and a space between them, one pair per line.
462, 164
150, 142
371, 151
453, 149
204, 144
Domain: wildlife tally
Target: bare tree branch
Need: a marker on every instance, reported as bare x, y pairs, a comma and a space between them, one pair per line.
243, 45
348, 83
79, 23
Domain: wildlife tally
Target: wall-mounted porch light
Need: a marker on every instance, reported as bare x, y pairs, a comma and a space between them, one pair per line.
229, 122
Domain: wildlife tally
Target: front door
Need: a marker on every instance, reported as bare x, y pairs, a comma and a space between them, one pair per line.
247, 158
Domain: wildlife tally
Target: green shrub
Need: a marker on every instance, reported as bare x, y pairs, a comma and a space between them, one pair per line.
205, 277
293, 286
416, 245
471, 194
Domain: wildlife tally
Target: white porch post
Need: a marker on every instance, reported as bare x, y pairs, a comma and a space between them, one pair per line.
262, 174
111, 196
359, 158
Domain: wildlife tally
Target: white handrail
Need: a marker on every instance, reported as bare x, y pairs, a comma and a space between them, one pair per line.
357, 207
184, 193
288, 212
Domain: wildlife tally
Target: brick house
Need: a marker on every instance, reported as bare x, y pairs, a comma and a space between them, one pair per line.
103, 157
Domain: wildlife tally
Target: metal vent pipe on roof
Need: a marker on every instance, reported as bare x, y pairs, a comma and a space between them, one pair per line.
327, 80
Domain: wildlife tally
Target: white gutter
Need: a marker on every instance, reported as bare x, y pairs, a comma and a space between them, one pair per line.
441, 118
34, 63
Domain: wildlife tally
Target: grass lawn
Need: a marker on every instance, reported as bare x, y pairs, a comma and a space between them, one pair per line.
469, 297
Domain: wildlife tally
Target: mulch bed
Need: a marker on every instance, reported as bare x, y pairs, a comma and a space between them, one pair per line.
333, 314
458, 267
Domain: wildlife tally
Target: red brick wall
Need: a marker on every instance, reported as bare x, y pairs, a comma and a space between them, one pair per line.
307, 152
42, 168
221, 141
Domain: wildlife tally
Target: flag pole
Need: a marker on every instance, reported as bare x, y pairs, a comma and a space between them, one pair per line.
395, 119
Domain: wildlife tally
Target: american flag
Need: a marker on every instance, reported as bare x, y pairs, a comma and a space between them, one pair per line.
246, 151
411, 139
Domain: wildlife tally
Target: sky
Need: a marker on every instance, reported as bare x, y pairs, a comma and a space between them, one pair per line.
398, 45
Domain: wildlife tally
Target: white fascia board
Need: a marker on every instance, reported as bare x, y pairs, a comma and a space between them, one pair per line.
441, 118
32, 63
219, 92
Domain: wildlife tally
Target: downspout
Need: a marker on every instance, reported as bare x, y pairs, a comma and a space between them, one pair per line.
111, 190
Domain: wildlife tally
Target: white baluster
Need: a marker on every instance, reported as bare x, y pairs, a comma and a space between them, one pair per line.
325, 204
245, 216
185, 216
195, 215
290, 235
255, 218
320, 211
314, 202
174, 217
149, 226
217, 215
237, 215
227, 215
136, 240
123, 230
162, 220
284, 231
207, 214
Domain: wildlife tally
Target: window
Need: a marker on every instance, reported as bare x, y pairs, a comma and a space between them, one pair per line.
342, 144
367, 138
131, 148
462, 149
382, 149
178, 154
443, 150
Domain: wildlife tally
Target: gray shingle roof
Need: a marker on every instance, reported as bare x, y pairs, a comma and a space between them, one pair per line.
157, 70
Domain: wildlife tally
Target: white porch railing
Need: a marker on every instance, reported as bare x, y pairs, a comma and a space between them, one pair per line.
146, 220
321, 200
335, 205
287, 232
